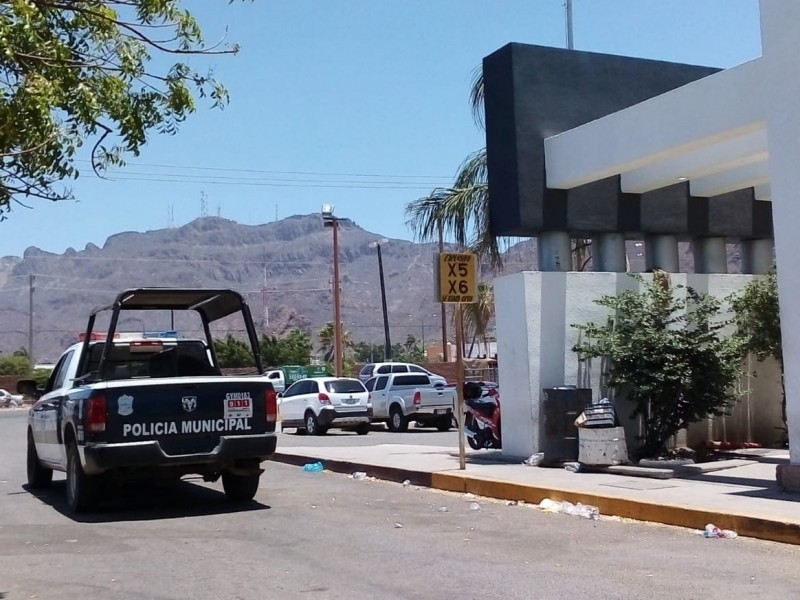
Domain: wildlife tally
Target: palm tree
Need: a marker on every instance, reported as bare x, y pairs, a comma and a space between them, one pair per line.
462, 211
327, 342
479, 314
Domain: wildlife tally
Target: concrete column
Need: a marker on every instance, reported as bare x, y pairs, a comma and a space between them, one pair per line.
757, 256
710, 255
780, 80
555, 251
608, 253
661, 252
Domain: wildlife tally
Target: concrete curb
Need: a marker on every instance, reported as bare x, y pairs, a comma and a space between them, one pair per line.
682, 516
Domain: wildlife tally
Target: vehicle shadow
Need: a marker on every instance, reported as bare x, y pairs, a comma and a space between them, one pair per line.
146, 501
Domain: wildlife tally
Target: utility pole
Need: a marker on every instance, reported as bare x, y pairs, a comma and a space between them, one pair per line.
570, 40
31, 287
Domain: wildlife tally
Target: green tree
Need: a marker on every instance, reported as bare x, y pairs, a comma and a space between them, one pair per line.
327, 342
233, 353
292, 349
77, 71
478, 316
666, 352
758, 322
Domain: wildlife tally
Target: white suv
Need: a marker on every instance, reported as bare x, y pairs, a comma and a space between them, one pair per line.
316, 404
374, 369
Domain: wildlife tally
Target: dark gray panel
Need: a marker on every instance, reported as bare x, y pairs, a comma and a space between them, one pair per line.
731, 215
533, 92
665, 211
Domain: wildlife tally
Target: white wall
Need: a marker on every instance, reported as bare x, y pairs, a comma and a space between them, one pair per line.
535, 313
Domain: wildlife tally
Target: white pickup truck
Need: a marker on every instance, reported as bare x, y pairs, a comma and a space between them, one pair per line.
399, 398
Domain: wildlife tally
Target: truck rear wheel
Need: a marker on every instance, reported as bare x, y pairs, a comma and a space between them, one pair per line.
398, 422
38, 476
81, 488
443, 424
240, 488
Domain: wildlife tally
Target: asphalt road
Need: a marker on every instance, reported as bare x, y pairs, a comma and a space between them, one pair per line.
379, 434
323, 535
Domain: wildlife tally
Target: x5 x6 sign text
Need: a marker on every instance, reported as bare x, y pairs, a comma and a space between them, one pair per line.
457, 277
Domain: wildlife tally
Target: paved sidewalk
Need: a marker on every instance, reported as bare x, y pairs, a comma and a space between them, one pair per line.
739, 494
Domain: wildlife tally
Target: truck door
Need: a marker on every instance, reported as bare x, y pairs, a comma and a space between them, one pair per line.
380, 401
46, 413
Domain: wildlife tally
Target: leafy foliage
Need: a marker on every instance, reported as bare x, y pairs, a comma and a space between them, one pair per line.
292, 349
233, 353
74, 71
14, 365
666, 352
758, 322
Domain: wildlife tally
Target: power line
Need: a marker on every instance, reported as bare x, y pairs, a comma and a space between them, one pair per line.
307, 185
312, 173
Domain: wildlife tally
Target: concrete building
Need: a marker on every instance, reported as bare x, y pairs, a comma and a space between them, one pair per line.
609, 147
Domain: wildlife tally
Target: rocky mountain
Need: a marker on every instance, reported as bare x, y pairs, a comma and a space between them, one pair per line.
284, 269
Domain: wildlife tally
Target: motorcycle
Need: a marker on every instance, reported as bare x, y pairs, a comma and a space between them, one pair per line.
482, 416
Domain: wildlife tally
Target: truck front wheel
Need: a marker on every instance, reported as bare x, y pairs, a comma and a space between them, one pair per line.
81, 488
38, 476
240, 488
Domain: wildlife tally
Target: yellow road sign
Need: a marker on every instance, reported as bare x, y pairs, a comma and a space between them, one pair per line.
458, 277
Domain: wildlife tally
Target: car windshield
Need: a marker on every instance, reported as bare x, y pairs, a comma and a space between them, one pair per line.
344, 386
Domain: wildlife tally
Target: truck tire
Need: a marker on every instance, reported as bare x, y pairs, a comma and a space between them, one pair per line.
81, 488
240, 488
362, 429
443, 424
38, 476
398, 422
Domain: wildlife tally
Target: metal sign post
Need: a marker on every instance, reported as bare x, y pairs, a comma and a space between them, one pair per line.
456, 282
462, 451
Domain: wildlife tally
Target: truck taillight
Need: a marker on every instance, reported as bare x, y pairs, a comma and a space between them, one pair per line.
271, 404
417, 398
324, 398
96, 414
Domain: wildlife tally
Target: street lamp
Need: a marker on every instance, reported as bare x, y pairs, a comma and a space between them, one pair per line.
328, 220
388, 344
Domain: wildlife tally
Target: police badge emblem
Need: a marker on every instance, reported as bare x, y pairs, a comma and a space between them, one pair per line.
125, 405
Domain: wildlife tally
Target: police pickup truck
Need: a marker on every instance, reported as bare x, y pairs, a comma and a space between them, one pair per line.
123, 406
398, 398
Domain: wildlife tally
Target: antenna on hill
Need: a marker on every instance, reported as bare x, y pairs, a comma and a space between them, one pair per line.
203, 204
219, 209
171, 216
276, 212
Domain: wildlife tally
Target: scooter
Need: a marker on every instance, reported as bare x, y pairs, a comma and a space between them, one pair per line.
482, 418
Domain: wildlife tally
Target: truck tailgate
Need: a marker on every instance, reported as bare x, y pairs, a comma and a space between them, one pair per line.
185, 416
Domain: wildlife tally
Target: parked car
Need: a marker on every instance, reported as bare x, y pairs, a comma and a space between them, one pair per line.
8, 399
398, 398
317, 404
374, 369
277, 379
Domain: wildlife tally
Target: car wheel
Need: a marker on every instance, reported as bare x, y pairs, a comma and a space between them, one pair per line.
312, 425
398, 422
38, 476
443, 424
362, 429
240, 488
81, 488
454, 420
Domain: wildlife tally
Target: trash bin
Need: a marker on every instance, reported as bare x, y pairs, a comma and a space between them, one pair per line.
561, 407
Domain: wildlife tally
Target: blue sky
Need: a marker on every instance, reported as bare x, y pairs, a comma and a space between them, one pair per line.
361, 103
